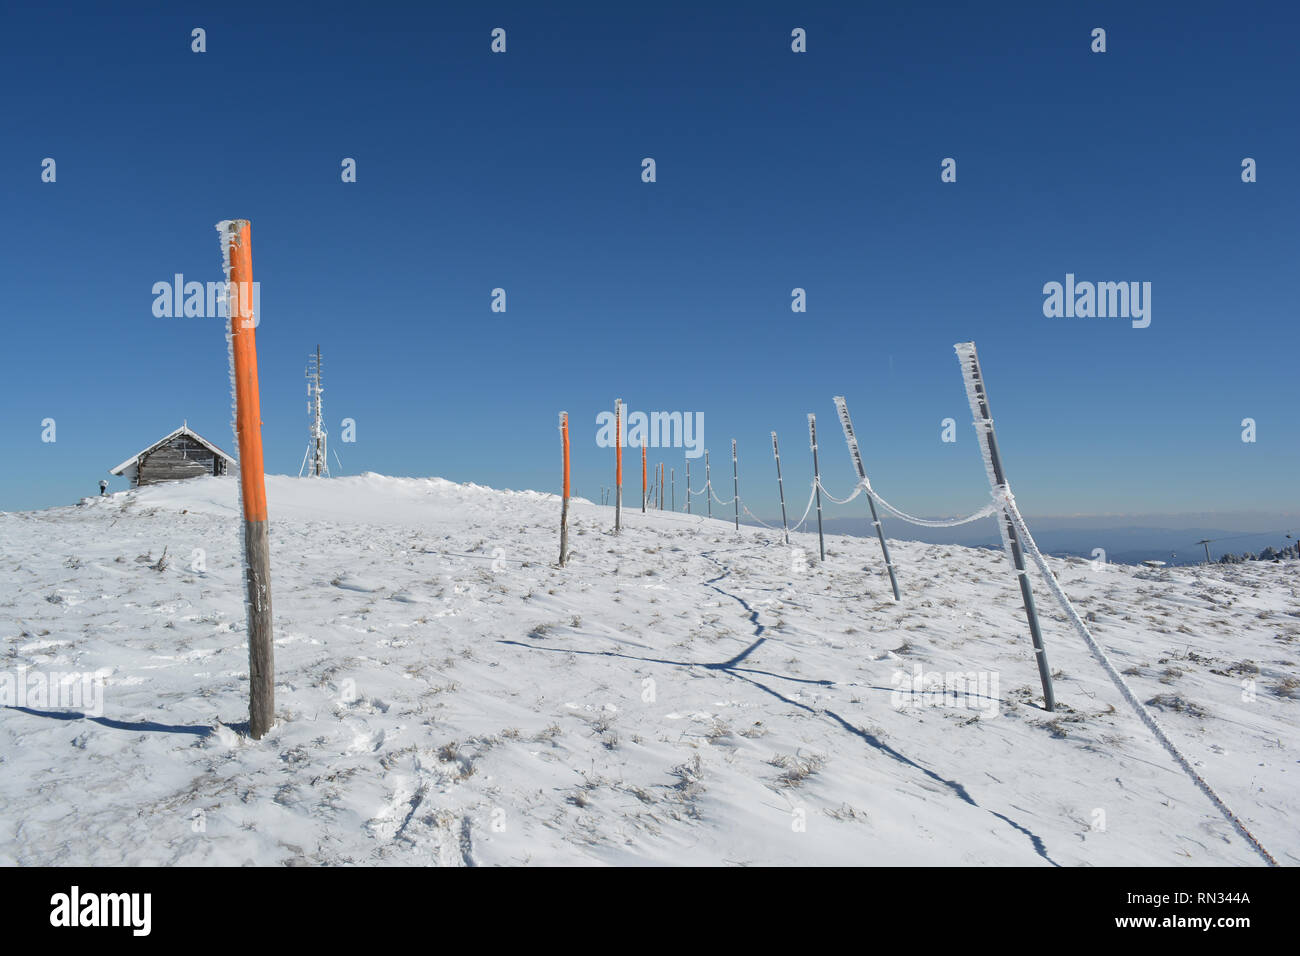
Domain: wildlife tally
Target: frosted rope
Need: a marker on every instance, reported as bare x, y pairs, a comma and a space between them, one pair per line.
1006, 502
719, 500
745, 508
1027, 541
811, 495
856, 491
989, 509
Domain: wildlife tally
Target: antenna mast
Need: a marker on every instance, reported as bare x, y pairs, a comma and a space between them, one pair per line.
316, 444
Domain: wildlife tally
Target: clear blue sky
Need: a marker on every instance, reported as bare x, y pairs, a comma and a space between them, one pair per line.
775, 170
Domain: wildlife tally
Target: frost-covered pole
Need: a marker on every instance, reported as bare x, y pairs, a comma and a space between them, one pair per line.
564, 508
851, 440
644, 475
708, 483
237, 252
979, 406
688, 486
817, 481
672, 488
735, 482
776, 453
618, 464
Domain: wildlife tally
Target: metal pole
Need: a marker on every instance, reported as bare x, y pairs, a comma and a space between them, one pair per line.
618, 466
776, 452
688, 486
856, 455
672, 484
1206, 542
643, 479
817, 481
708, 483
735, 479
993, 461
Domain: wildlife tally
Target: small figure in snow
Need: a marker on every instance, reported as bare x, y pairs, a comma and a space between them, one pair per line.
103, 487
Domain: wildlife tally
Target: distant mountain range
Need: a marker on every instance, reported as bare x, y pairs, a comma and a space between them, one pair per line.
1156, 538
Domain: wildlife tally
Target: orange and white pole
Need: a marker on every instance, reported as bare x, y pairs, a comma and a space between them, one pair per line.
564, 508
237, 252
618, 464
644, 474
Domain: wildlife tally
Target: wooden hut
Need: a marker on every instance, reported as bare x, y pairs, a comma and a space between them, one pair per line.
182, 454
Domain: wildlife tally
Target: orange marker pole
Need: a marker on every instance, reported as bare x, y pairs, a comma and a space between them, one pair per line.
643, 479
237, 249
564, 508
618, 466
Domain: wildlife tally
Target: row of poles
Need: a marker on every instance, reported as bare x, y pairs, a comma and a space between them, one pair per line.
653, 493
236, 246
984, 427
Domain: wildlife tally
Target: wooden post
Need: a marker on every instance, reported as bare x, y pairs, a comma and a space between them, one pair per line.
817, 481
564, 508
979, 403
618, 466
735, 482
852, 440
237, 250
780, 488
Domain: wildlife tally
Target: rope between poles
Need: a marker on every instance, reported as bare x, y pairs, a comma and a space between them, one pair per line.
1027, 540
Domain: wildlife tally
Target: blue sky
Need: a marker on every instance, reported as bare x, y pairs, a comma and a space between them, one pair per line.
775, 170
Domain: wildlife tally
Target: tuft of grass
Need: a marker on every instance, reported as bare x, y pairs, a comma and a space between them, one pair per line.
795, 769
1178, 704
1288, 687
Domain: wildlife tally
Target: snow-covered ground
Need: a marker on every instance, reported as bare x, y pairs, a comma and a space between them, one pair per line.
682, 693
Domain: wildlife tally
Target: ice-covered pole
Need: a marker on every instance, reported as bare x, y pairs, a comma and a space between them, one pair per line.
780, 488
236, 244
708, 482
855, 453
644, 477
817, 481
688, 486
564, 507
979, 406
735, 482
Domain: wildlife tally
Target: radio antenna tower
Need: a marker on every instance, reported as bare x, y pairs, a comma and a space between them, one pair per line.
315, 457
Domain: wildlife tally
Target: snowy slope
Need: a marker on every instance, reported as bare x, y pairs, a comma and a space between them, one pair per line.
680, 694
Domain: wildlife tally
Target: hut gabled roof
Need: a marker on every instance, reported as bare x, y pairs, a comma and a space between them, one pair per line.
183, 430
